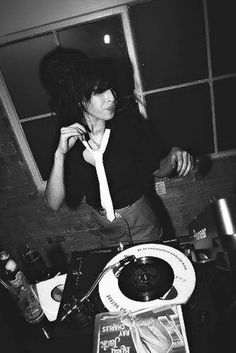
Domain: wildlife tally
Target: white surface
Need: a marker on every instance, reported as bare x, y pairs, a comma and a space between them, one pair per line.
44, 289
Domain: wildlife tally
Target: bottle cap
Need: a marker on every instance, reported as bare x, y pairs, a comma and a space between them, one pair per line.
11, 265
4, 255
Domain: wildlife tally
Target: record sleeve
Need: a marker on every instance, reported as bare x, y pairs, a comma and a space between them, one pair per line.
50, 294
149, 330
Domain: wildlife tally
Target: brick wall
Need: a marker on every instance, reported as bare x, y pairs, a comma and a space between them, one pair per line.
24, 217
184, 198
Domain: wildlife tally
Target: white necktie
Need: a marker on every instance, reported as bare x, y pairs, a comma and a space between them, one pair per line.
105, 195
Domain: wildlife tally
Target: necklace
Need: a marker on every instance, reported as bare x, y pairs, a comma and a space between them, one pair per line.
93, 144
96, 139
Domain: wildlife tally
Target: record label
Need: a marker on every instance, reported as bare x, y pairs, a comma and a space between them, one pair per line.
160, 275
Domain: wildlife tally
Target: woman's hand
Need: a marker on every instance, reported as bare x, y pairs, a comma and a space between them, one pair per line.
69, 136
179, 160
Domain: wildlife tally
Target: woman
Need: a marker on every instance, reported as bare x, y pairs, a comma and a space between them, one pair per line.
83, 96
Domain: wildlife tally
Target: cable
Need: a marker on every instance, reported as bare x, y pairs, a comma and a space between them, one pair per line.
127, 226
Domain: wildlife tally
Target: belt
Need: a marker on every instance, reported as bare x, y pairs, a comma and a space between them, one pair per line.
117, 211
102, 211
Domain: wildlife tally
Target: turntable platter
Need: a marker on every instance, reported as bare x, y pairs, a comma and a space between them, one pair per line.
161, 275
146, 279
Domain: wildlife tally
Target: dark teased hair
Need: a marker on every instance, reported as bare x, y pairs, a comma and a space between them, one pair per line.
70, 78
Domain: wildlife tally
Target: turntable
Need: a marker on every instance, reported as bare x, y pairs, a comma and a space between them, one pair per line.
139, 277
159, 275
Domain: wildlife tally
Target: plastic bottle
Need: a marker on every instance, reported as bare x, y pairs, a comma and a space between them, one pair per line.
21, 291
34, 265
13, 274
4, 257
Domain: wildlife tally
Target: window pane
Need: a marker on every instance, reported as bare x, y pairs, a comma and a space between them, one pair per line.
170, 39
222, 36
41, 134
182, 118
20, 64
225, 113
89, 37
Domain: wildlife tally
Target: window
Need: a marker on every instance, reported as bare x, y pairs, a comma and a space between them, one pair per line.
182, 53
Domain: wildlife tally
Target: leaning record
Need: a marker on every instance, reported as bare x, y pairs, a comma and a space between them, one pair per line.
138, 285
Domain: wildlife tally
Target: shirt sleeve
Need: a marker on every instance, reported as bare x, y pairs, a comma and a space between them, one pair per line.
74, 193
149, 147
153, 146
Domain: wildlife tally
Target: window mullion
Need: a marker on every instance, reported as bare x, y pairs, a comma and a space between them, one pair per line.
19, 134
134, 61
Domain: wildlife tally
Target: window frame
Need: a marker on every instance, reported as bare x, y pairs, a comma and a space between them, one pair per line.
123, 11
7, 102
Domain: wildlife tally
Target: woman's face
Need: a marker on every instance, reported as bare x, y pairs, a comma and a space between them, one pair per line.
102, 105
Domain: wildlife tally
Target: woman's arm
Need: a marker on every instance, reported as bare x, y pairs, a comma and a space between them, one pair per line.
54, 194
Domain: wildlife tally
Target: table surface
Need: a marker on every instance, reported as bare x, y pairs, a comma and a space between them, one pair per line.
209, 317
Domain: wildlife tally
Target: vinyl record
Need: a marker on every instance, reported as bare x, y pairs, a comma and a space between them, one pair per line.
160, 275
147, 278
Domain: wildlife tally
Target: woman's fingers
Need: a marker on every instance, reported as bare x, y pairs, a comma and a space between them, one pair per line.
69, 136
183, 162
74, 130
